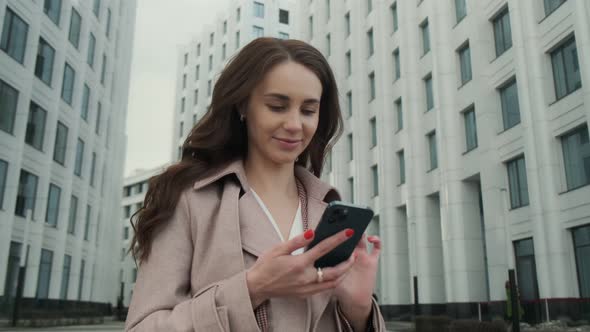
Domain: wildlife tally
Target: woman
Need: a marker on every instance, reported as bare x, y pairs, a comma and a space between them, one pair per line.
221, 235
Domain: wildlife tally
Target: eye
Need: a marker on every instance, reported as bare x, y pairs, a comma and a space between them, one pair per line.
308, 111
276, 108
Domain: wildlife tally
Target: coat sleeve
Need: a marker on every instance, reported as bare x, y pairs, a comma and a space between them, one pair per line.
162, 299
376, 321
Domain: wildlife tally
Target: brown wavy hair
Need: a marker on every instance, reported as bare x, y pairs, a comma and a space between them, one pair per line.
220, 137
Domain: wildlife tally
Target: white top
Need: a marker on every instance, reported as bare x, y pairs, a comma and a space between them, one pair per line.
296, 228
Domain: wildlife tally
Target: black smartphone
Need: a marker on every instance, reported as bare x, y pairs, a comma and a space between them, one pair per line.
339, 216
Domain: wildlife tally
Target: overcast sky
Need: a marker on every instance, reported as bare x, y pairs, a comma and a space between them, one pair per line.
161, 26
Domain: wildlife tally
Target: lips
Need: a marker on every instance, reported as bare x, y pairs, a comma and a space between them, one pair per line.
290, 141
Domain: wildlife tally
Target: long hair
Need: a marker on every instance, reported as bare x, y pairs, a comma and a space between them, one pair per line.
220, 137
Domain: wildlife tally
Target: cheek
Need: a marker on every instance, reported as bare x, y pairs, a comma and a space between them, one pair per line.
310, 127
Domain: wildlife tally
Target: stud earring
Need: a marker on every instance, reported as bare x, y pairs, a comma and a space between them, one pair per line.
242, 117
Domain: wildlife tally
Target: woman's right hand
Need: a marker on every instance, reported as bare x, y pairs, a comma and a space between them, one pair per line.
277, 273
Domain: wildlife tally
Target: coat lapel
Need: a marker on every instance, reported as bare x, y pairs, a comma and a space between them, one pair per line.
258, 234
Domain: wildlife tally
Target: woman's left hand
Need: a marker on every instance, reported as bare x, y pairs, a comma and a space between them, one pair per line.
358, 286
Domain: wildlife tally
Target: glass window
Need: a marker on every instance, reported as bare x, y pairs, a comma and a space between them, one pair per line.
125, 233
134, 275
87, 225
79, 158
425, 37
61, 143
470, 129
35, 132
44, 62
429, 93
510, 106
517, 181
52, 213
108, 31
67, 86
223, 50
402, 167
311, 27
283, 35
349, 103
184, 81
372, 92
237, 39
197, 69
347, 23
52, 8
181, 129
258, 31
3, 173
73, 215
350, 148
258, 9
199, 49
14, 36
224, 27
12, 269
394, 16
552, 5
65, 277
396, 64
8, 104
238, 14
182, 105
210, 62
502, 32
91, 48
81, 280
328, 10
44, 277
196, 97
400, 114
375, 177
373, 125
27, 194
328, 45
209, 88
98, 115
433, 152
85, 102
92, 168
566, 69
348, 64
581, 237
351, 189
465, 61
371, 42
460, 10
127, 211
104, 69
194, 119
369, 6
576, 157
283, 16
75, 25
96, 8
525, 269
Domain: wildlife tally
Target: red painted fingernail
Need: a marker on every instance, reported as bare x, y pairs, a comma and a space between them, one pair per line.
308, 234
349, 232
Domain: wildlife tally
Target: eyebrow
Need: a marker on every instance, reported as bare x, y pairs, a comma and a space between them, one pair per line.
286, 98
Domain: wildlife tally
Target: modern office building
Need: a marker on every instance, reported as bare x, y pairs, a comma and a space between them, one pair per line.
64, 82
201, 60
467, 133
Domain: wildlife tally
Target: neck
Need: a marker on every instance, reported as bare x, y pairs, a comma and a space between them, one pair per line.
268, 178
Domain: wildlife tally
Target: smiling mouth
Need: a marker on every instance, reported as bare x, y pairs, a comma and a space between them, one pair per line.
288, 140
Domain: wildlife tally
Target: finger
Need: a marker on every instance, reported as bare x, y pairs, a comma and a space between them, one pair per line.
300, 241
327, 245
362, 244
332, 273
376, 241
317, 287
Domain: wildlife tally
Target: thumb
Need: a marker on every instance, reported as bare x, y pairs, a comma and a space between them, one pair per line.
295, 243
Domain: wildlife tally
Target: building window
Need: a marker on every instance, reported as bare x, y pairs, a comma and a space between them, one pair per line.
44, 62
502, 32
108, 31
73, 215
552, 5
79, 158
67, 86
237, 39
566, 69
283, 16
510, 107
61, 143
350, 147
104, 69
3, 173
92, 168
348, 64
125, 233
349, 103
425, 37
347, 23
65, 277
581, 237
81, 280
238, 14
197, 69
258, 9
460, 10
432, 148
576, 157
35, 132
87, 226
371, 42
127, 209
209, 88
96, 8
98, 115
27, 194
351, 189
402, 167
9, 98
85, 102
182, 105
185, 59
373, 125
194, 119
328, 10
52, 212
223, 49
210, 62
196, 97
181, 129
75, 25
369, 6
14, 36
328, 45
199, 49
400, 114
91, 49
311, 27
429, 92
517, 181
396, 63
211, 38
526, 269
44, 277
258, 31
394, 16
283, 35
52, 8
375, 177
470, 129
465, 61
372, 92
134, 275
224, 27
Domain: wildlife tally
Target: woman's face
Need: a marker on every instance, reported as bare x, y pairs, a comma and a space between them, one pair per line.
283, 113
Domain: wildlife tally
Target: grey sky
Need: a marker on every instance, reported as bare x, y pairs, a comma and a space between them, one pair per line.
161, 26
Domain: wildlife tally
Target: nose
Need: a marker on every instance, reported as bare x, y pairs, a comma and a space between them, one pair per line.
293, 120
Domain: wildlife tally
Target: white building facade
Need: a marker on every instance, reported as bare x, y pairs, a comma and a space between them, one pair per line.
466, 131
64, 82
201, 61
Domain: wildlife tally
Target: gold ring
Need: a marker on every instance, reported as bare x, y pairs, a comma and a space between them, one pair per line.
320, 275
